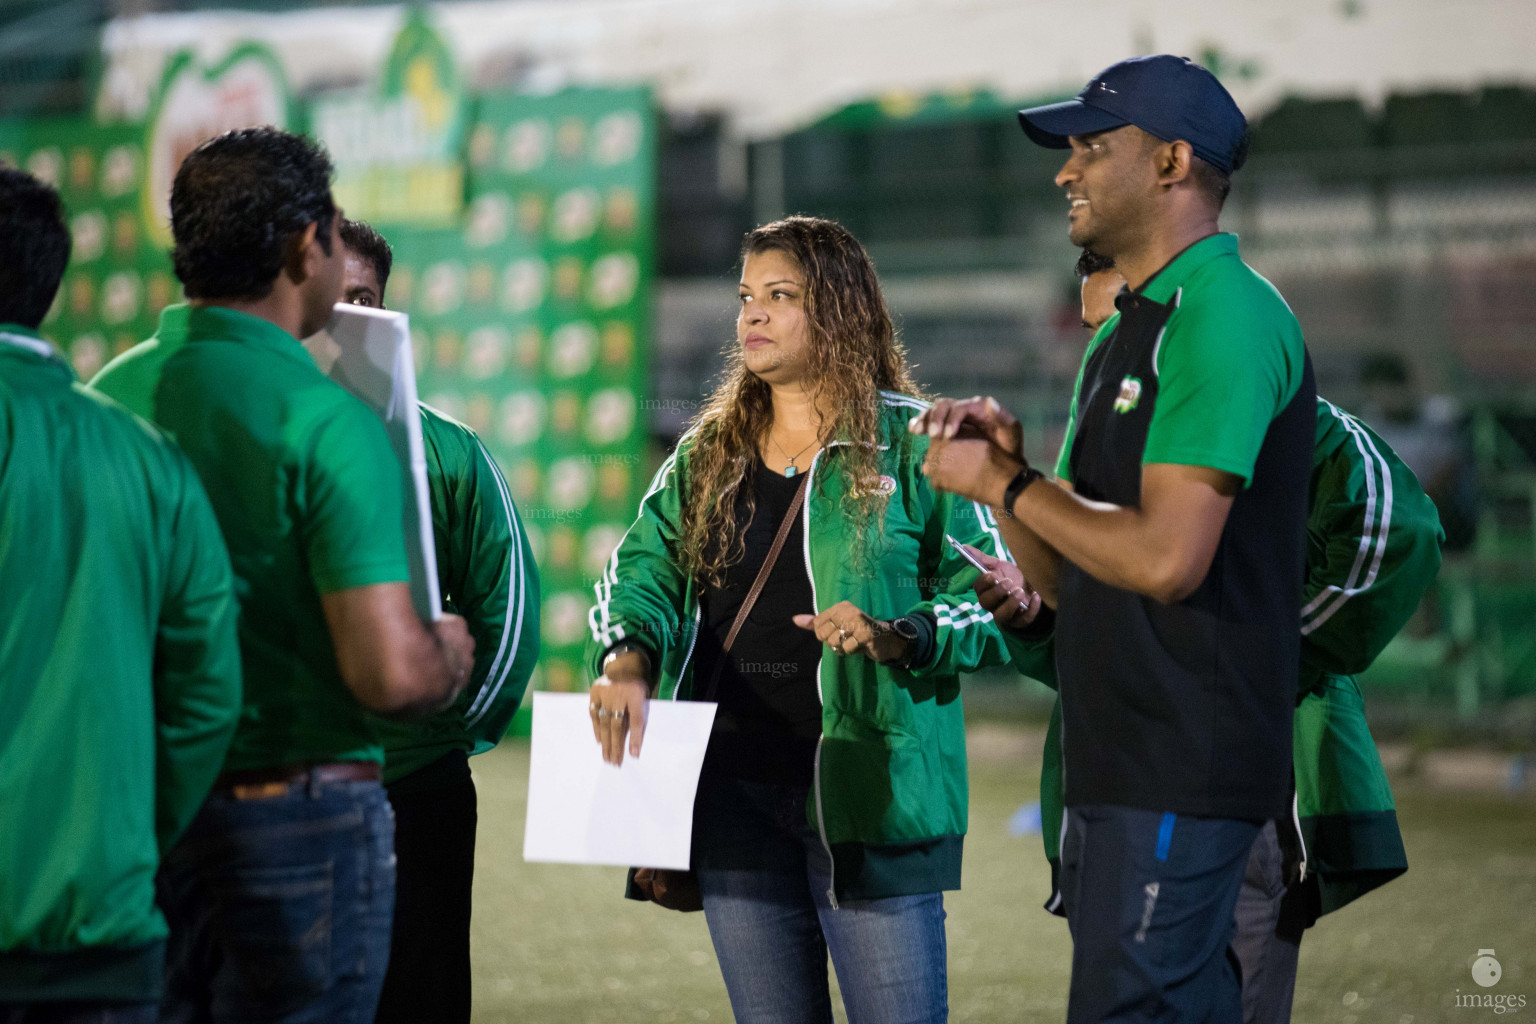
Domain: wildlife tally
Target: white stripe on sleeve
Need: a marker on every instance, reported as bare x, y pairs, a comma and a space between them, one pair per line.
1373, 536
506, 653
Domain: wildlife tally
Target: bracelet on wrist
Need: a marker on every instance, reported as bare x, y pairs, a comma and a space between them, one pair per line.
1021, 480
622, 648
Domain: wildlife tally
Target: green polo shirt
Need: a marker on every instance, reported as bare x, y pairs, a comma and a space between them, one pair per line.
133, 374
308, 492
1229, 359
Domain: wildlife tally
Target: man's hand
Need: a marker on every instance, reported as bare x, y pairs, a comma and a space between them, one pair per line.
1003, 591
847, 630
972, 468
458, 649
617, 705
394, 664
977, 447
949, 418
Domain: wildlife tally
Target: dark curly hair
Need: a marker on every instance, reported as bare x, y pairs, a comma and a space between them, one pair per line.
34, 248
361, 237
236, 201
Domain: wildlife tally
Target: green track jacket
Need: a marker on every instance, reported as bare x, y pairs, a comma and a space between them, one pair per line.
1373, 549
486, 573
119, 679
889, 795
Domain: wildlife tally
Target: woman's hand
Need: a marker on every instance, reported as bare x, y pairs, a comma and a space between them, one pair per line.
847, 630
1003, 591
617, 705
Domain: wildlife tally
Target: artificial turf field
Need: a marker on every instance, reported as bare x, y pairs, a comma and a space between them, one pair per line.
559, 944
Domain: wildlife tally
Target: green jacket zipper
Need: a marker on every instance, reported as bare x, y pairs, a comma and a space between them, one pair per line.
821, 820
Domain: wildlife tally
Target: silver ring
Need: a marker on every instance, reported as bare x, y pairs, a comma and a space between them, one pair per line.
603, 713
843, 635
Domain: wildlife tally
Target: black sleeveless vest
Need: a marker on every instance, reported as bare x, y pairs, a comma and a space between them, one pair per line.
1184, 707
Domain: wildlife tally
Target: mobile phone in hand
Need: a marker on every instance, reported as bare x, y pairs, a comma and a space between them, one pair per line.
965, 554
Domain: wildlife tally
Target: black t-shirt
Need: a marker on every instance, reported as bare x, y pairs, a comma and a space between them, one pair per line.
769, 716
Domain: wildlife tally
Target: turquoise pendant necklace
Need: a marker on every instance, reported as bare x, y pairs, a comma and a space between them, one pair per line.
791, 469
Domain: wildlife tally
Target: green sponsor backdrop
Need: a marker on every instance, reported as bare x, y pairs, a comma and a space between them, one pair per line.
118, 279
398, 144
531, 323
530, 316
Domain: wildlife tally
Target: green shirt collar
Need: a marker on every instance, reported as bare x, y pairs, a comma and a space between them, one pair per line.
228, 324
17, 338
173, 323
25, 332
1161, 286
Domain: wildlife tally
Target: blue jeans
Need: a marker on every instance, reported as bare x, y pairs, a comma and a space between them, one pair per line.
1150, 899
280, 908
764, 875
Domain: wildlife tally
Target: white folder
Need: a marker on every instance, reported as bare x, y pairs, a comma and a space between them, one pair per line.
582, 810
369, 354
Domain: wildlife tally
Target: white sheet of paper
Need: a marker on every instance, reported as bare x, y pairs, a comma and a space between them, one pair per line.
371, 349
640, 814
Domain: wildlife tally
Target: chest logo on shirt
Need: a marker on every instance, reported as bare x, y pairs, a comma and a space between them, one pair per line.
1130, 394
885, 486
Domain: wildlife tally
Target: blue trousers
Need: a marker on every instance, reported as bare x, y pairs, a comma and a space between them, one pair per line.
1150, 900
280, 908
764, 875
1271, 917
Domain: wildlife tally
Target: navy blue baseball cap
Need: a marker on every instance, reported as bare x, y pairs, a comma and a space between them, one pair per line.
1169, 97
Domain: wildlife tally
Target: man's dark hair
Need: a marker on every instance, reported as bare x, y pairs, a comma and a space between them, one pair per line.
361, 238
1216, 185
1212, 182
1090, 263
237, 200
34, 248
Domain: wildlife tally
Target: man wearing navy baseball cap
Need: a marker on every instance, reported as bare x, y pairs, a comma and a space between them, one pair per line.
1170, 547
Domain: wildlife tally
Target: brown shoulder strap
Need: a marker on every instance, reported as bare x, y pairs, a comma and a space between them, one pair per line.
762, 578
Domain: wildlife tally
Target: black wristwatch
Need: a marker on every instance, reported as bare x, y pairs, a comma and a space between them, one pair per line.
907, 630
1026, 476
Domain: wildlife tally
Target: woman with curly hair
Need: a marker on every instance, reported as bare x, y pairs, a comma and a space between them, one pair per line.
832, 806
